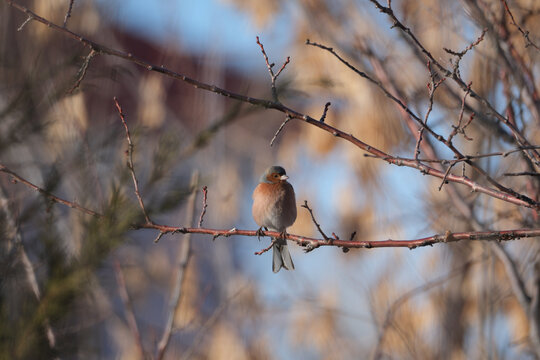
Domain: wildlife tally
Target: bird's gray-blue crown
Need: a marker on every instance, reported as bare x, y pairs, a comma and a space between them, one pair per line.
272, 170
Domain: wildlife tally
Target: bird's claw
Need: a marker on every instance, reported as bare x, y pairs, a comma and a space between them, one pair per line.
259, 232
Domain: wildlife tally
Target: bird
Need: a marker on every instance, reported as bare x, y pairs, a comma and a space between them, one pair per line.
274, 208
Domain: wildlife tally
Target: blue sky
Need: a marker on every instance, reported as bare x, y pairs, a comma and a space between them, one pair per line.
203, 26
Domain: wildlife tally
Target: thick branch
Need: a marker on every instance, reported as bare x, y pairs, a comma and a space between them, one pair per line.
311, 243
308, 242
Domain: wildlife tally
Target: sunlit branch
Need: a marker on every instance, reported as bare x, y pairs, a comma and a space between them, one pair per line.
308, 242
287, 119
454, 75
312, 243
525, 33
437, 136
506, 195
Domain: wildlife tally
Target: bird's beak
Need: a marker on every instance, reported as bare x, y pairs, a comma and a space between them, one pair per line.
283, 177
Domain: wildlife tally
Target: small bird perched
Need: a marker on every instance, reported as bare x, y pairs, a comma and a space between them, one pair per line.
274, 207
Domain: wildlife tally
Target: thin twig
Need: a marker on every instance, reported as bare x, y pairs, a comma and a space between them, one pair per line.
24, 23
394, 307
446, 175
128, 308
512, 272
14, 240
205, 204
82, 71
273, 76
68, 12
130, 166
158, 237
183, 259
525, 33
479, 156
47, 194
432, 87
305, 205
460, 54
287, 119
326, 107
458, 128
203, 330
523, 173
274, 240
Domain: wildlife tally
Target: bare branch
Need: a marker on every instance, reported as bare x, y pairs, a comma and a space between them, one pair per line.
503, 193
302, 240
188, 354
12, 232
326, 107
460, 54
524, 173
129, 155
458, 128
287, 119
205, 204
46, 193
158, 237
394, 307
446, 175
491, 235
270, 66
21, 27
183, 259
406, 109
525, 33
520, 138
432, 86
513, 275
305, 205
128, 308
479, 156
274, 240
82, 71
68, 12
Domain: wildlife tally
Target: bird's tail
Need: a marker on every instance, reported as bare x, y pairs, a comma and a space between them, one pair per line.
281, 257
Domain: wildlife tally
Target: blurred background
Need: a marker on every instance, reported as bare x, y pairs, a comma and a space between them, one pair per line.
65, 274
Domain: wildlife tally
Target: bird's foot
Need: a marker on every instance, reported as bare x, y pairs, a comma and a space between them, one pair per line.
260, 232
